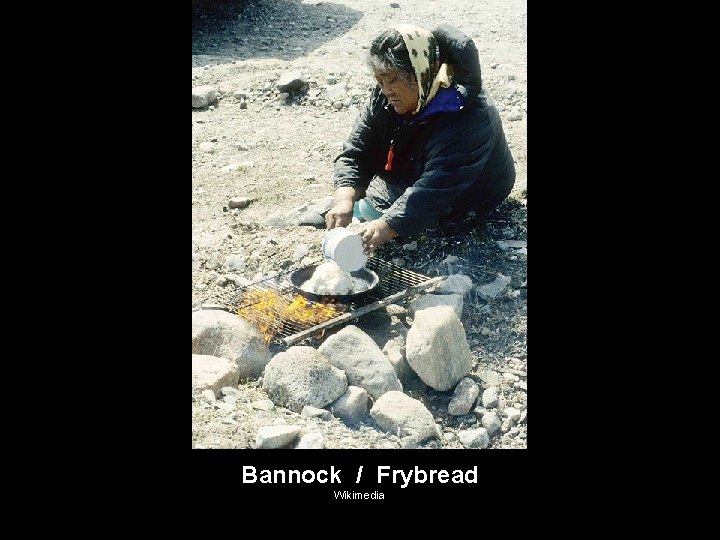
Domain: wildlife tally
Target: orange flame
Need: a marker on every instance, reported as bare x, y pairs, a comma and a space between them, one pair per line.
269, 310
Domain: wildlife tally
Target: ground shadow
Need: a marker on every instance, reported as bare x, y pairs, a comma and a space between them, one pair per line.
283, 29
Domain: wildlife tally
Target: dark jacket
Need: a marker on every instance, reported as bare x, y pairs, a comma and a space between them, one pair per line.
446, 159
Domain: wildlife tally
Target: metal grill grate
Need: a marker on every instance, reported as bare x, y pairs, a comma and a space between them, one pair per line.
283, 314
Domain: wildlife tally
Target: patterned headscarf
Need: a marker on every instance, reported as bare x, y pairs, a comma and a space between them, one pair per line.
424, 52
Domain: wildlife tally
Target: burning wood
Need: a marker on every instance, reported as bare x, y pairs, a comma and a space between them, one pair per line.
270, 311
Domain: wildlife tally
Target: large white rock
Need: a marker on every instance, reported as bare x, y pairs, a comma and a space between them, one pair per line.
212, 373
405, 417
455, 284
437, 348
223, 334
365, 365
202, 96
277, 436
302, 376
425, 301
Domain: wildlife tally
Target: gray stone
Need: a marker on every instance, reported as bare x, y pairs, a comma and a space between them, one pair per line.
308, 411
300, 251
491, 290
212, 373
239, 202
263, 405
302, 376
276, 220
455, 283
491, 422
512, 413
474, 438
336, 92
505, 245
352, 406
223, 334
395, 352
490, 377
290, 81
308, 218
276, 436
202, 96
515, 115
490, 397
405, 417
466, 392
437, 348
522, 385
206, 147
365, 365
208, 395
480, 411
234, 263
455, 301
311, 441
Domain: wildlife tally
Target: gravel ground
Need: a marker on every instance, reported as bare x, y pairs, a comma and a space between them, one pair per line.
276, 150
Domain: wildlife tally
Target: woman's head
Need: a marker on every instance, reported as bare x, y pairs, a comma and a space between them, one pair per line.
391, 66
406, 81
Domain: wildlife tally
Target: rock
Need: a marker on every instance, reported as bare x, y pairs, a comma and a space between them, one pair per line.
489, 398
282, 96
234, 263
275, 220
522, 385
455, 301
352, 406
336, 92
455, 284
512, 413
276, 436
412, 246
239, 202
505, 245
311, 441
212, 373
202, 96
474, 438
263, 405
302, 376
490, 377
521, 186
437, 348
491, 422
394, 5
491, 290
308, 411
219, 333
206, 147
290, 81
395, 353
309, 218
208, 396
300, 251
515, 115
466, 392
404, 417
365, 365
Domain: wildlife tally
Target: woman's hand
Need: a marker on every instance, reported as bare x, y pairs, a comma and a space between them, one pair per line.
339, 215
375, 234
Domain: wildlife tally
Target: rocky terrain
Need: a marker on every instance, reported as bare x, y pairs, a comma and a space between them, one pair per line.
277, 85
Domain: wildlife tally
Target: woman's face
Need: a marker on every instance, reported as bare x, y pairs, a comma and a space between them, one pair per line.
403, 96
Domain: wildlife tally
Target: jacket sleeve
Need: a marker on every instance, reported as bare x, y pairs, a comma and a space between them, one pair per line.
452, 165
354, 165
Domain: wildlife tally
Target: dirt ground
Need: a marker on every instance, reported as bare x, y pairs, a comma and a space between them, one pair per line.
279, 152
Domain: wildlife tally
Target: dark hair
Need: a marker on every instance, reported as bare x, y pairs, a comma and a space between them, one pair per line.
389, 53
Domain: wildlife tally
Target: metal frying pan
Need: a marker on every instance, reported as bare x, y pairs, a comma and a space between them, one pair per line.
364, 276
